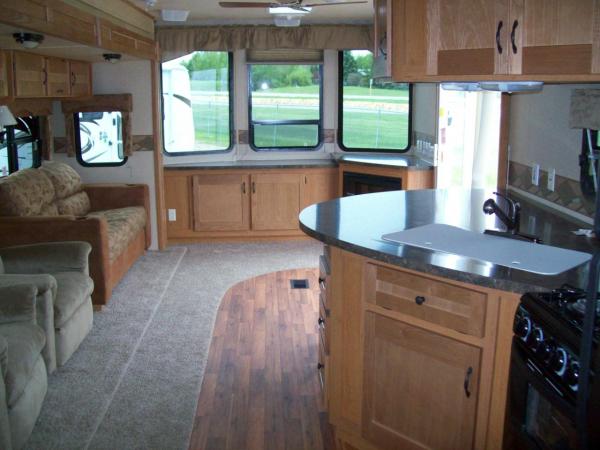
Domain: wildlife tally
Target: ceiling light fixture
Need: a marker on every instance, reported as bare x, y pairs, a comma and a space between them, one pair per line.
112, 58
29, 40
287, 10
174, 15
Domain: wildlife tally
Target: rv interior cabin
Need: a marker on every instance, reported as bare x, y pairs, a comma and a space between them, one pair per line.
299, 224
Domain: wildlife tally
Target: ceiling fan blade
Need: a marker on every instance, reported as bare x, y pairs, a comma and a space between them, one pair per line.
245, 4
312, 5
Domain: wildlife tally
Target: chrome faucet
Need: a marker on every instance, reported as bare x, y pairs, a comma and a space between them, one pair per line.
511, 220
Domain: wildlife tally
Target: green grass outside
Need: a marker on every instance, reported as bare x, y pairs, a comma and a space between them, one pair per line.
361, 129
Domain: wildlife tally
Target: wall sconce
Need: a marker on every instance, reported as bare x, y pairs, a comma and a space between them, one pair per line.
28, 40
112, 58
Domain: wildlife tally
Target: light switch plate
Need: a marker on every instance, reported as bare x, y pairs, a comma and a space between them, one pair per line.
172, 214
551, 179
535, 174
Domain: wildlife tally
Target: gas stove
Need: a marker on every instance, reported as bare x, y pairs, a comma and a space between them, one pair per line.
567, 304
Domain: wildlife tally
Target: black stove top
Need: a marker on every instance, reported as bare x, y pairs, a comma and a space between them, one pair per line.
568, 304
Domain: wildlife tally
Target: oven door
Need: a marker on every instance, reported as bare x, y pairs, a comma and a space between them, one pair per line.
538, 416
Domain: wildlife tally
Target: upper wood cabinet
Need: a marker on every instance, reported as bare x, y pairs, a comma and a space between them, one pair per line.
221, 202
275, 201
549, 40
117, 25
5, 74
30, 74
59, 77
80, 78
40, 76
420, 388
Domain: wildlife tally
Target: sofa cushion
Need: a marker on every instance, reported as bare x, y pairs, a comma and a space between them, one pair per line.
25, 193
73, 289
25, 342
75, 205
65, 179
123, 225
49, 210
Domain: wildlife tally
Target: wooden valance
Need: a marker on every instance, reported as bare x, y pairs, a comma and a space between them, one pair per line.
42, 108
99, 103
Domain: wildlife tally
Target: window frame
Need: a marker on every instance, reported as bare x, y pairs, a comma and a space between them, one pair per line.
230, 87
251, 122
12, 151
340, 105
78, 154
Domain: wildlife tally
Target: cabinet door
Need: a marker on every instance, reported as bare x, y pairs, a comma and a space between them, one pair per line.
410, 52
221, 202
554, 37
275, 201
30, 75
420, 388
81, 83
469, 36
382, 36
319, 185
58, 77
5, 90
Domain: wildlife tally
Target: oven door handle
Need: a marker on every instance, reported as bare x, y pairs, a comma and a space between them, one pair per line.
468, 381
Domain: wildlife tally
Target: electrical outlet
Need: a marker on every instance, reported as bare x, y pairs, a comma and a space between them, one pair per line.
172, 215
551, 179
535, 174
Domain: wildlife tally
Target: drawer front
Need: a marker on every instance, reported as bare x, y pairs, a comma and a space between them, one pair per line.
444, 304
323, 330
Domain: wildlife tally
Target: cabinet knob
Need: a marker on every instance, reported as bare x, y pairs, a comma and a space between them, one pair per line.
320, 366
73, 78
321, 321
244, 187
419, 299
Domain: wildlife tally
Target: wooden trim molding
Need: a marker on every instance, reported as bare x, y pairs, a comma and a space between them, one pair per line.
23, 107
159, 179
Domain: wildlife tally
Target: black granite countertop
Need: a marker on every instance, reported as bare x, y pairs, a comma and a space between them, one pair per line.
357, 223
255, 164
409, 162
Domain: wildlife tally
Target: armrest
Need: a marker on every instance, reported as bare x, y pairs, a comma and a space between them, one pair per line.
47, 257
17, 303
111, 196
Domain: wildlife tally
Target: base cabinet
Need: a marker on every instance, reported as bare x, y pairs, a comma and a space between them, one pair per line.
229, 204
404, 377
420, 388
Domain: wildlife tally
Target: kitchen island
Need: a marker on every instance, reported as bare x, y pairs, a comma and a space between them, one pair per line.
416, 343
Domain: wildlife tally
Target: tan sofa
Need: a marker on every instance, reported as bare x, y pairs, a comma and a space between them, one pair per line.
51, 204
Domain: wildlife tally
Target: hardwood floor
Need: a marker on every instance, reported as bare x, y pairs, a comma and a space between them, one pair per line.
261, 389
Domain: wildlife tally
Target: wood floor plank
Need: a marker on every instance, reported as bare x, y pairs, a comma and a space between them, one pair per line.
261, 388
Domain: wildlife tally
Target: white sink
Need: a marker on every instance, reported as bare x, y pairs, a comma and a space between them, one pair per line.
522, 255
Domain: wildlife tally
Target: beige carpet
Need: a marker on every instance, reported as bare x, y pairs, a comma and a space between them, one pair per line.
135, 380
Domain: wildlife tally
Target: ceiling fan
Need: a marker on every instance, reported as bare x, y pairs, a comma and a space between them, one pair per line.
292, 4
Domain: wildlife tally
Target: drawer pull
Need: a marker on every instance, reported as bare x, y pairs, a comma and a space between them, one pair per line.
320, 366
419, 299
512, 36
498, 44
468, 381
321, 321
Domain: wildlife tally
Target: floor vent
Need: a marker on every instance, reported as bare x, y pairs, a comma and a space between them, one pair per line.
299, 284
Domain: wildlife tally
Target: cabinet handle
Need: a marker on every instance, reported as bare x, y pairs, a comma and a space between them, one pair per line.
321, 321
382, 45
45, 80
253, 187
468, 381
419, 299
305, 180
73, 79
512, 36
498, 44
320, 366
244, 187
322, 283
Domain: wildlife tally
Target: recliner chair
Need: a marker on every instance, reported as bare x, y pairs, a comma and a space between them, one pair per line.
59, 271
23, 378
